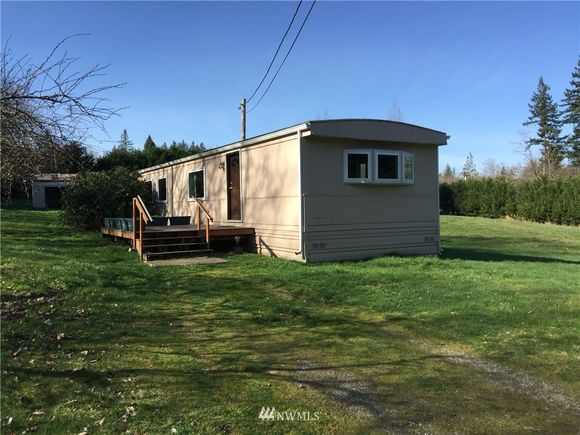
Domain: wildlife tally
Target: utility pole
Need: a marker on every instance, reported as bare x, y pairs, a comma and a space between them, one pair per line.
243, 109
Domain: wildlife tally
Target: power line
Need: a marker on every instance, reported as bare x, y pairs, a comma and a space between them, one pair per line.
277, 50
285, 57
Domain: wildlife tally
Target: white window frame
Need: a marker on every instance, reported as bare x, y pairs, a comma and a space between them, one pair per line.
376, 178
166, 190
369, 178
192, 198
403, 179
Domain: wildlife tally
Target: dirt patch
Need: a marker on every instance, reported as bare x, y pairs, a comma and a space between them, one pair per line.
353, 393
362, 399
515, 380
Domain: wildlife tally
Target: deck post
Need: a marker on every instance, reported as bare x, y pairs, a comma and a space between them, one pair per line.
133, 245
207, 231
140, 238
198, 218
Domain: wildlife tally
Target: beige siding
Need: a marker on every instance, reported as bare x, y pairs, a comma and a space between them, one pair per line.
269, 191
355, 221
285, 187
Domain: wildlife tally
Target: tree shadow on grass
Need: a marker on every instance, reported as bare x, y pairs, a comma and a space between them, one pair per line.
100, 377
450, 253
191, 338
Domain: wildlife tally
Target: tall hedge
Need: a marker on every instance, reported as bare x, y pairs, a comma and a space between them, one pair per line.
91, 196
539, 200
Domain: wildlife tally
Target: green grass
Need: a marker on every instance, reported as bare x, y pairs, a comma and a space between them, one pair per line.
202, 348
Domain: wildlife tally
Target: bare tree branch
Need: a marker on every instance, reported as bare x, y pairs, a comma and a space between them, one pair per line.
523, 147
45, 107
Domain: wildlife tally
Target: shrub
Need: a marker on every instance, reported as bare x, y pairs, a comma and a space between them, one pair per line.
567, 210
447, 199
496, 196
546, 200
467, 197
534, 200
91, 196
540, 200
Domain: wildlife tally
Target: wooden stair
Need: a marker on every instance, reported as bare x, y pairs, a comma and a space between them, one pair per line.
160, 243
153, 241
165, 241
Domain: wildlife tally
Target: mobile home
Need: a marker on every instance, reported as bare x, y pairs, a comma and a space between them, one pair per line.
317, 191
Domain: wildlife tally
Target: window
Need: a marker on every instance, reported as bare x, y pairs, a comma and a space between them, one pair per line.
162, 190
196, 184
408, 168
149, 191
387, 167
357, 168
379, 167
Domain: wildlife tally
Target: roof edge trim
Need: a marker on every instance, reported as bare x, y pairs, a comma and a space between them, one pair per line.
231, 146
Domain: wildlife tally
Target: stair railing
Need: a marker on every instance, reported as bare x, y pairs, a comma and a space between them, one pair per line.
142, 215
208, 219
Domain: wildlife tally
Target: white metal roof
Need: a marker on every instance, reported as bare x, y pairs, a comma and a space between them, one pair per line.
362, 129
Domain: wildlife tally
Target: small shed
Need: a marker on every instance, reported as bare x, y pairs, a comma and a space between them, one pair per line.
47, 190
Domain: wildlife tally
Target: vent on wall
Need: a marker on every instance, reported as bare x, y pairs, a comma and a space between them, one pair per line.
430, 238
318, 245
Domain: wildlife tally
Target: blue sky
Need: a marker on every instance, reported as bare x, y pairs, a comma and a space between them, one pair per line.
466, 68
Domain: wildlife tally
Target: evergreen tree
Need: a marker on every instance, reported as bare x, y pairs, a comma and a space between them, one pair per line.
77, 158
122, 155
125, 143
448, 172
571, 112
149, 144
196, 149
152, 154
469, 169
544, 113
126, 156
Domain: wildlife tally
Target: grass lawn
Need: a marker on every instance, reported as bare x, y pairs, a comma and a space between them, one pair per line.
484, 339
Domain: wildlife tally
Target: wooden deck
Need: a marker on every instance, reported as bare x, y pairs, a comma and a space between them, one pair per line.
214, 232
161, 241
115, 232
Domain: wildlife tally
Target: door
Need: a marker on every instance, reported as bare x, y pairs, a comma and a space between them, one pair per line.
52, 197
233, 176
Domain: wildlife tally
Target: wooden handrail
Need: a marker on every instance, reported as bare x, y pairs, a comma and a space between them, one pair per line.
141, 216
208, 219
144, 209
204, 209
144, 218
